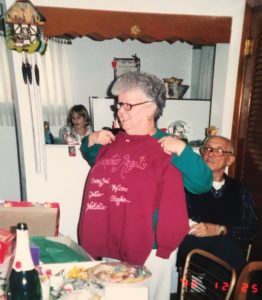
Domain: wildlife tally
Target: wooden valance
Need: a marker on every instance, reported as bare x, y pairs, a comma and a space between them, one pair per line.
146, 27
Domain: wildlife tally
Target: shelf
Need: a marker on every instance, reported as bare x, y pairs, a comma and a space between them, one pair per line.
189, 99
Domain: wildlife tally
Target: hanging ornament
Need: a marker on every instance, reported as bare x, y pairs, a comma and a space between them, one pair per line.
24, 72
37, 76
24, 32
114, 64
28, 67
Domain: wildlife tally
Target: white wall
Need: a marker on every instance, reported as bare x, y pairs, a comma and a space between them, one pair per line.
9, 165
219, 103
9, 170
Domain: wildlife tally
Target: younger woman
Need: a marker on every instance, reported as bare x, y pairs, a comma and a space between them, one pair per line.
77, 127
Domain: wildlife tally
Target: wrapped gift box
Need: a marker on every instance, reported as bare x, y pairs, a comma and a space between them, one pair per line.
6, 243
41, 218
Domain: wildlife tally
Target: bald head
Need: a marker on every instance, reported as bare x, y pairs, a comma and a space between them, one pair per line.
227, 142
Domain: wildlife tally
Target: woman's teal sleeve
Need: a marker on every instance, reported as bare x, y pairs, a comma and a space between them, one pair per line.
89, 153
197, 175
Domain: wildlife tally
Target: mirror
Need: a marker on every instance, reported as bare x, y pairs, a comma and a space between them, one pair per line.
90, 70
160, 47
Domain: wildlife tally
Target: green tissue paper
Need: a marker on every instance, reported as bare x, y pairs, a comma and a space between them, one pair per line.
56, 252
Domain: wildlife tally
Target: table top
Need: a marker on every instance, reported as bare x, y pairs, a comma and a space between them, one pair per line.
111, 292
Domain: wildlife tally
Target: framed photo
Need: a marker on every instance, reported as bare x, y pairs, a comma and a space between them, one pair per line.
123, 65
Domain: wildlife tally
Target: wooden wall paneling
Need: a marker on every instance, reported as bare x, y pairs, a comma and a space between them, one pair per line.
241, 107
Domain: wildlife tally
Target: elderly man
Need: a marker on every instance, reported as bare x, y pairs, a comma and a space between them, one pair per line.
223, 220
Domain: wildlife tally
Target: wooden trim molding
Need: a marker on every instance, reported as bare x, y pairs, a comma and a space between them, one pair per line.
242, 99
146, 27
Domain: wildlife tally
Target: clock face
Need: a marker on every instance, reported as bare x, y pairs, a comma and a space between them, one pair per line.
179, 128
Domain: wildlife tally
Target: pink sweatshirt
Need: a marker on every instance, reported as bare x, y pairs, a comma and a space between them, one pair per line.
131, 178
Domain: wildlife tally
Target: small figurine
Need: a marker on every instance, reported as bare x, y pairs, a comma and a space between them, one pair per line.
211, 131
49, 139
172, 84
175, 88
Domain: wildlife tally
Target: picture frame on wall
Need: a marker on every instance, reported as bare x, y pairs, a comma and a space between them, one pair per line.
123, 65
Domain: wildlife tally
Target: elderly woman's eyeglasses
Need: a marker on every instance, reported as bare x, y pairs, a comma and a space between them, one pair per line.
128, 106
218, 152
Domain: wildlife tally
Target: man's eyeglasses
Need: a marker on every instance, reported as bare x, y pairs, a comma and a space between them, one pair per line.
218, 152
128, 106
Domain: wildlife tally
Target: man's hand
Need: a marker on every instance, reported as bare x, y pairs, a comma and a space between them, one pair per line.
172, 145
205, 229
102, 137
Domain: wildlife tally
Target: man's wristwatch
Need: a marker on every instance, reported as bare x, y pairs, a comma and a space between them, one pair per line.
222, 230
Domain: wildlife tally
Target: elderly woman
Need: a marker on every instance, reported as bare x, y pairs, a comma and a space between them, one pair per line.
134, 197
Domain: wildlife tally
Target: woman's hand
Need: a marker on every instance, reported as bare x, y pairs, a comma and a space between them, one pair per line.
172, 145
205, 229
101, 137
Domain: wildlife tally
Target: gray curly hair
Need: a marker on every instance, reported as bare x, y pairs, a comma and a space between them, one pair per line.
149, 84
